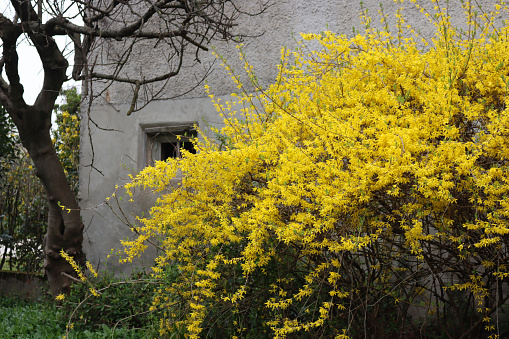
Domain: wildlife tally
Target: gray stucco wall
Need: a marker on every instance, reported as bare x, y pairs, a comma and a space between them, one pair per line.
118, 143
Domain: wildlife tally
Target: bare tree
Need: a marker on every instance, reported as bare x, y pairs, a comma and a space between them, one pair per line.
111, 30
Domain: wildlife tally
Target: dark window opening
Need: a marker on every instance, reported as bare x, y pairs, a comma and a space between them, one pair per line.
188, 146
169, 150
169, 144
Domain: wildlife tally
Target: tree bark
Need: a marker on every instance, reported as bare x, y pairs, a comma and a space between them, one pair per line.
65, 228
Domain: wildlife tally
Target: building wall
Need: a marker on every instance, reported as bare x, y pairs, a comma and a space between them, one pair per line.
112, 143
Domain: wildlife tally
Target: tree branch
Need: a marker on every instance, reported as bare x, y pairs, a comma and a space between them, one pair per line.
24, 10
12, 95
55, 67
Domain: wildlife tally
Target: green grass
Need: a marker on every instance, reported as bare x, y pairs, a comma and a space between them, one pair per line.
42, 319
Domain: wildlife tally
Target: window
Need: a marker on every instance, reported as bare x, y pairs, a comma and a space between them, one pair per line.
165, 142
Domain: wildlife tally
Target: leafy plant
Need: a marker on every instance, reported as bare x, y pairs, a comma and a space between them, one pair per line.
41, 319
118, 303
7, 138
67, 134
23, 215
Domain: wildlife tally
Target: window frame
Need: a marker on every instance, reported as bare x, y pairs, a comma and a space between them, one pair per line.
155, 135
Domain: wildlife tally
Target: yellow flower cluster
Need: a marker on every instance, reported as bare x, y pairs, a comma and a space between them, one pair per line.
368, 159
80, 274
67, 144
74, 265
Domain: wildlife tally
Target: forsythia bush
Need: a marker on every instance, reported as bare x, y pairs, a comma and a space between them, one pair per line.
67, 134
365, 192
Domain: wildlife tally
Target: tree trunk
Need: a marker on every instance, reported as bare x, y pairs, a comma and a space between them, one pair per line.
33, 122
65, 228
